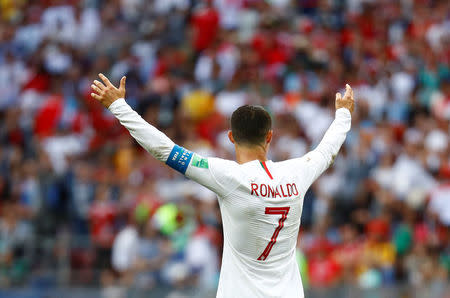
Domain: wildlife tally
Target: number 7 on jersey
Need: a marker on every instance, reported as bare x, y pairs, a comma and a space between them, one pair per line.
283, 211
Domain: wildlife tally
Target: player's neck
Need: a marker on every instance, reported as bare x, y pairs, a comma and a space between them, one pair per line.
245, 154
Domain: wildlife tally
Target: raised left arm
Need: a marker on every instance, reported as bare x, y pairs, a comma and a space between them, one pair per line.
319, 159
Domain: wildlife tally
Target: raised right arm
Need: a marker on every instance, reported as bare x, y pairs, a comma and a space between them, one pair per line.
151, 139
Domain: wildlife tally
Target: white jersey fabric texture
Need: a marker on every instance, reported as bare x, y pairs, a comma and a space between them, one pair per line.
260, 202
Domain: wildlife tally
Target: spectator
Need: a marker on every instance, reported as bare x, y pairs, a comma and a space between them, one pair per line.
378, 255
102, 215
15, 237
205, 23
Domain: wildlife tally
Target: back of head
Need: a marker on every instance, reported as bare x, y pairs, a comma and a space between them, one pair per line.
250, 125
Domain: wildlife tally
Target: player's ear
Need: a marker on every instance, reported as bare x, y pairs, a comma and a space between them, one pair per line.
230, 136
269, 136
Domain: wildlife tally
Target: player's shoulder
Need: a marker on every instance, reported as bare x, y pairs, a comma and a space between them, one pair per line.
293, 163
227, 173
218, 163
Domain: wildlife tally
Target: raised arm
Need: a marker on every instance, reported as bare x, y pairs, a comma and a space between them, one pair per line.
323, 155
150, 138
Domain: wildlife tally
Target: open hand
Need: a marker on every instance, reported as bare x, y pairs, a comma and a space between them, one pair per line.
346, 102
107, 93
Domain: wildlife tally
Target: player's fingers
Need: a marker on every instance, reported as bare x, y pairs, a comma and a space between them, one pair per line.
338, 96
105, 80
96, 96
99, 85
122, 83
348, 91
95, 88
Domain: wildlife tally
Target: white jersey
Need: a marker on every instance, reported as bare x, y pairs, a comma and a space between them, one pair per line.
260, 202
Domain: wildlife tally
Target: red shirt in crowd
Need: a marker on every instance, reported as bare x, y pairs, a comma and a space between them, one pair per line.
48, 116
323, 271
205, 23
102, 217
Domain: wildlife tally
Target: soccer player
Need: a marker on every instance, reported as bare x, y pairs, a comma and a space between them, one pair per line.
260, 200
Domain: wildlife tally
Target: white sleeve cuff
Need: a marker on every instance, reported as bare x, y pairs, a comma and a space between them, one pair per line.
341, 112
117, 103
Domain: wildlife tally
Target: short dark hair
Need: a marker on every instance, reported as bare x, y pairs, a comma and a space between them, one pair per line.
250, 125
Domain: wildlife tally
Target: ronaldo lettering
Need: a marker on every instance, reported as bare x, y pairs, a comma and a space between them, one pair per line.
279, 191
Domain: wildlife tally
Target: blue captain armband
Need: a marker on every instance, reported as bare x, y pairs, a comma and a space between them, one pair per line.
179, 159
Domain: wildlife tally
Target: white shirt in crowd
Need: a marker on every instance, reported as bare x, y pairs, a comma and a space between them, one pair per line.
125, 249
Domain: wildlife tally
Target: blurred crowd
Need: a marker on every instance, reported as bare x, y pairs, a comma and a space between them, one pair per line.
81, 199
